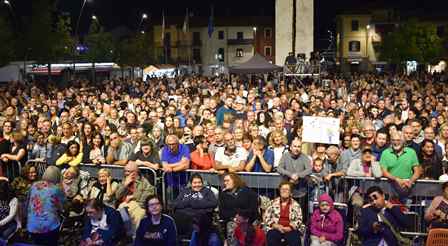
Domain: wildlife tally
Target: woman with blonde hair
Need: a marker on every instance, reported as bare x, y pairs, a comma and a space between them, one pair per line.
443, 136
278, 143
104, 188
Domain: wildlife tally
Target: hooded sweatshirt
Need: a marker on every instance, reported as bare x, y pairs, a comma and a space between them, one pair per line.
329, 225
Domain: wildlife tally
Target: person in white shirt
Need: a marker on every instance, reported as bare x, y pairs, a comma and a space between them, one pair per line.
229, 158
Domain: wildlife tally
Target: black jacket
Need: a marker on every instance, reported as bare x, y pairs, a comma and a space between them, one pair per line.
193, 203
241, 199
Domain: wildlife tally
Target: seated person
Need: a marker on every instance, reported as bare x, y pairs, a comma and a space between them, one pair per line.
327, 226
103, 225
201, 158
236, 196
367, 166
245, 233
260, 159
147, 156
72, 156
104, 188
437, 213
75, 189
372, 229
9, 207
284, 218
132, 193
204, 233
229, 158
192, 202
156, 228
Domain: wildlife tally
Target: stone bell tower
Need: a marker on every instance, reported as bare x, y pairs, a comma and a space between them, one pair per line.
294, 28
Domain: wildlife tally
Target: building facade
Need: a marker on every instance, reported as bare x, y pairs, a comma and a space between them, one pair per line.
359, 36
229, 44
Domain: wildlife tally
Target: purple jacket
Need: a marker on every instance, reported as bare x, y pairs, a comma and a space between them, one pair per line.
329, 225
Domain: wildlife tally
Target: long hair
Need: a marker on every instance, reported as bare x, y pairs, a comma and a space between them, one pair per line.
237, 181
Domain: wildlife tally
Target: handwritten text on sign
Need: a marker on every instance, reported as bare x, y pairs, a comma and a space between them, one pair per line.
320, 130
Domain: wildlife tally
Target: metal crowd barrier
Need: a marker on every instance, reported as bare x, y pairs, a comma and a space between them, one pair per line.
266, 184
40, 165
117, 172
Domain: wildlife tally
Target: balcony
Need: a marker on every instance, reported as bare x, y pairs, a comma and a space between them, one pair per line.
240, 41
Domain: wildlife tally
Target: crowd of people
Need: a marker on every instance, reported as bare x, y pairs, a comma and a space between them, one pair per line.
391, 126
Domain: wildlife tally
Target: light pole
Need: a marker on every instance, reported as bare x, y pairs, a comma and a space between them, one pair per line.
144, 17
255, 39
8, 3
79, 17
367, 43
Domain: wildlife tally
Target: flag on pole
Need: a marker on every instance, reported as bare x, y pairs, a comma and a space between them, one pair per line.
185, 26
163, 28
210, 23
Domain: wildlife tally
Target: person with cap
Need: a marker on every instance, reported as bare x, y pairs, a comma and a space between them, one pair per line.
327, 224
45, 204
437, 213
367, 166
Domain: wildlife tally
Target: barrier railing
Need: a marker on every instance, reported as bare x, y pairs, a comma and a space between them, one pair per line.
40, 165
266, 184
117, 172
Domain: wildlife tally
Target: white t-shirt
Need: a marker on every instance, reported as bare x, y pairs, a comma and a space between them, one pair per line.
232, 160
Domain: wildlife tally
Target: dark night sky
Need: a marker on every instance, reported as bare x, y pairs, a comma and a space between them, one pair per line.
112, 13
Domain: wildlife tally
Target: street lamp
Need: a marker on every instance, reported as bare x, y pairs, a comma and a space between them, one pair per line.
144, 17
6, 2
79, 17
255, 39
94, 17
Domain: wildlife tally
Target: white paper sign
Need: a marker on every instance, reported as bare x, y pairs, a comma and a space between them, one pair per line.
320, 130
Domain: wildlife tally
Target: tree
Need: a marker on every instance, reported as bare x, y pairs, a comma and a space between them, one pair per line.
412, 41
135, 51
7, 40
100, 45
47, 40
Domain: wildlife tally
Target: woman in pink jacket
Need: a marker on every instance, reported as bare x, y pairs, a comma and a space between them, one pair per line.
326, 224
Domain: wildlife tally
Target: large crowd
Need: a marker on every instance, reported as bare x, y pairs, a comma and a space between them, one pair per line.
391, 126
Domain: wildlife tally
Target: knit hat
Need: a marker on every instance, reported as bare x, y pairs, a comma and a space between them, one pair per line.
52, 174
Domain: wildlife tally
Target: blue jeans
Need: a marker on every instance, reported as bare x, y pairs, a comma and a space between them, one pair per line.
7, 230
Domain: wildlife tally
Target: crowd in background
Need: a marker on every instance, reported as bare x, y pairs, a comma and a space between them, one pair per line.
392, 126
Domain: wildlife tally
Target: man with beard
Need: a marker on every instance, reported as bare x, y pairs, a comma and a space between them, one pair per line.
380, 143
372, 226
230, 157
400, 164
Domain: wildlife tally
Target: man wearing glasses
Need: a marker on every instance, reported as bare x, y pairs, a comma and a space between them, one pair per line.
373, 227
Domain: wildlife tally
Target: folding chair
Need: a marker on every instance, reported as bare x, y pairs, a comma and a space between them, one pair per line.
437, 237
